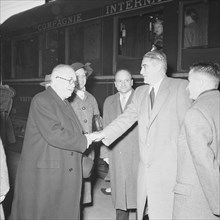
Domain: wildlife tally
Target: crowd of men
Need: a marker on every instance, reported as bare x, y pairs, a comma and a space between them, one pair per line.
162, 140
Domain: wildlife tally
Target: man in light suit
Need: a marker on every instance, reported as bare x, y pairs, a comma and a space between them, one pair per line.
197, 188
158, 125
124, 154
49, 175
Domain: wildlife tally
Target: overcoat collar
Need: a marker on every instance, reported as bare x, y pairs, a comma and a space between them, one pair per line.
65, 105
117, 103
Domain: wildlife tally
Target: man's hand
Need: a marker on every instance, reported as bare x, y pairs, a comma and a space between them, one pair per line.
96, 136
106, 160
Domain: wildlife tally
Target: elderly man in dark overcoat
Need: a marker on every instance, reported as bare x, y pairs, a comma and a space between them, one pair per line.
49, 175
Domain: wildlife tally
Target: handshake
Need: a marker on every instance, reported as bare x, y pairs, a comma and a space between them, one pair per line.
94, 137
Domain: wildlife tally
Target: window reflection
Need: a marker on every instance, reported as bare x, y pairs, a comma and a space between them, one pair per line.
139, 34
158, 34
195, 32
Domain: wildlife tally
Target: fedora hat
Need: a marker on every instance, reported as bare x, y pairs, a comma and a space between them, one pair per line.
46, 80
88, 69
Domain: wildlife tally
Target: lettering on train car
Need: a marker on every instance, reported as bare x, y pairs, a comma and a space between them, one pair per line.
25, 98
73, 19
129, 5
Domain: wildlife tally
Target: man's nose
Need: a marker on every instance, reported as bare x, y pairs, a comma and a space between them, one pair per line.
141, 72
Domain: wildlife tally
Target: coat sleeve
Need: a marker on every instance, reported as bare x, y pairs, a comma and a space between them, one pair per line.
183, 101
56, 133
122, 123
199, 134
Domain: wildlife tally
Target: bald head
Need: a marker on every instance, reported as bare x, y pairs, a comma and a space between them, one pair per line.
123, 81
63, 80
62, 70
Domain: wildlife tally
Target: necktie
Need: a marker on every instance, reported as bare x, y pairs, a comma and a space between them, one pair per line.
152, 97
123, 102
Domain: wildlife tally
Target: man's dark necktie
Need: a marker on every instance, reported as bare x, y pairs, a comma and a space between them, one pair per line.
152, 97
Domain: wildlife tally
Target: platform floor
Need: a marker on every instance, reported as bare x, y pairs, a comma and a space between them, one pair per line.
100, 209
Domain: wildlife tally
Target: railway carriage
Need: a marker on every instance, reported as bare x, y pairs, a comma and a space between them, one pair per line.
109, 34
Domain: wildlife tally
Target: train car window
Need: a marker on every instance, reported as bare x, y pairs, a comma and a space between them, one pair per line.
85, 44
25, 59
200, 39
195, 25
138, 34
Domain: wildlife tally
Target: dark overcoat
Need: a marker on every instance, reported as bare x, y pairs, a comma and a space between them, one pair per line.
49, 176
123, 158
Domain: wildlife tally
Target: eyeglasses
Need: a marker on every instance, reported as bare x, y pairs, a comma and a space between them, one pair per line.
71, 80
123, 81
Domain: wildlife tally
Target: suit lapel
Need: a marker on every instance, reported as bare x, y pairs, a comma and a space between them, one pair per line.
145, 105
129, 99
161, 97
117, 105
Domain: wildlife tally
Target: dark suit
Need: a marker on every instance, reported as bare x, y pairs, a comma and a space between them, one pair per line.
49, 175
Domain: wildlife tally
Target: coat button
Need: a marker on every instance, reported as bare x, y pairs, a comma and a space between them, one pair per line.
70, 169
71, 153
83, 108
85, 121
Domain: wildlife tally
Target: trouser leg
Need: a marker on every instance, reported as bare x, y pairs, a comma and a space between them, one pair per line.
122, 214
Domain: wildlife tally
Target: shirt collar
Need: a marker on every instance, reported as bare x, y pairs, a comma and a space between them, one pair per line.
156, 86
126, 95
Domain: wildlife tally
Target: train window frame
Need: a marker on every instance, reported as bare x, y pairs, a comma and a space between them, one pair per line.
194, 54
14, 42
117, 58
87, 57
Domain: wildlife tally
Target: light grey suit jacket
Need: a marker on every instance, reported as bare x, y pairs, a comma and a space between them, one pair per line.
197, 188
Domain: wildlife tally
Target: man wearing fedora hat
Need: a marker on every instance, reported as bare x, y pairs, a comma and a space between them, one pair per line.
46, 81
85, 106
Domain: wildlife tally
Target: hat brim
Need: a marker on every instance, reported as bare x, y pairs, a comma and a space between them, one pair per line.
45, 83
89, 70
